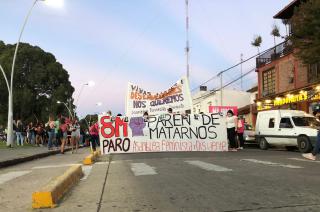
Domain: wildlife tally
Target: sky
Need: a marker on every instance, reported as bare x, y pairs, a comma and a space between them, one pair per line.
113, 42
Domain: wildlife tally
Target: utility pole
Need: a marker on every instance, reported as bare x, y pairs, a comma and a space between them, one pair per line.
241, 59
187, 37
221, 87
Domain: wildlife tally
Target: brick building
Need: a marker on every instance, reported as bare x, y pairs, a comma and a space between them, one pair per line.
284, 82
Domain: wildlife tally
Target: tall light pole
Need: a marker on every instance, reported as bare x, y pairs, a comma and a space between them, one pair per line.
65, 104
10, 87
187, 38
90, 84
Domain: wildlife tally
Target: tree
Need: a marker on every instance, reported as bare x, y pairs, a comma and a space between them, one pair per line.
257, 40
286, 22
275, 33
306, 31
39, 81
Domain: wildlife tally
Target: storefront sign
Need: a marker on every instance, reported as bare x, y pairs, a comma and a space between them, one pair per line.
290, 99
164, 133
139, 101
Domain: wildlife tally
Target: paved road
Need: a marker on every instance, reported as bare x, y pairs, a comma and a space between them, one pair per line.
249, 180
18, 182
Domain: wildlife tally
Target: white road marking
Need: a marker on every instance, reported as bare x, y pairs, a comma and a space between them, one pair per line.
140, 169
305, 160
12, 175
101, 163
208, 166
86, 172
268, 163
55, 166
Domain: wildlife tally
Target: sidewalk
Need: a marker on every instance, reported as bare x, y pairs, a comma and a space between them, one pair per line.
13, 156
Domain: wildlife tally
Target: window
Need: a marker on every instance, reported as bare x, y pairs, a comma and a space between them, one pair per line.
285, 123
268, 82
314, 73
271, 123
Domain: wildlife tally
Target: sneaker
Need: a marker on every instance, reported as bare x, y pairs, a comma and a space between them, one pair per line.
309, 156
241, 147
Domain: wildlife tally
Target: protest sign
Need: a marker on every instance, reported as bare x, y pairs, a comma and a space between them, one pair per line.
139, 101
164, 133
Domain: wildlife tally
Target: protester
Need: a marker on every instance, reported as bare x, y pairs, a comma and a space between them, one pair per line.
94, 135
240, 130
51, 131
58, 132
75, 135
39, 131
64, 129
316, 149
31, 133
231, 122
19, 132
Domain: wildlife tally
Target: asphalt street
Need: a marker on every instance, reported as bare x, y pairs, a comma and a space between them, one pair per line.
247, 180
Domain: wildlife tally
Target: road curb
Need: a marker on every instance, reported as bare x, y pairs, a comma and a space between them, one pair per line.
49, 195
90, 159
16, 161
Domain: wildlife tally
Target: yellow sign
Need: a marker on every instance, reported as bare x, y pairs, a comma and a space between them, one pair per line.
290, 99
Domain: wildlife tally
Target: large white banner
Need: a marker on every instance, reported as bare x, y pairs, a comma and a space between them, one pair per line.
164, 133
139, 101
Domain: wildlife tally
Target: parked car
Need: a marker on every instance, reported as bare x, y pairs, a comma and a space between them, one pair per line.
288, 128
249, 134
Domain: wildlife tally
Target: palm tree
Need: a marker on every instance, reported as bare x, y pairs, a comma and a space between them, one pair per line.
257, 40
275, 33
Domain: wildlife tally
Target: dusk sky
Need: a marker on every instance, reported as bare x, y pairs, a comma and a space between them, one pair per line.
113, 42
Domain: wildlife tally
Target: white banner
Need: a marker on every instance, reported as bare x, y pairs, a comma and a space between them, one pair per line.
164, 133
139, 101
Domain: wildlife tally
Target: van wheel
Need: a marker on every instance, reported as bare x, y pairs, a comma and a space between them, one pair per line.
304, 144
263, 144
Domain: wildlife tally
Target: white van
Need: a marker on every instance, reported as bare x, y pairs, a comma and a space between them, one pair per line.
288, 128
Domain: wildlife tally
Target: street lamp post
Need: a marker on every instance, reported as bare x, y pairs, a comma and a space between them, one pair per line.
90, 84
10, 104
65, 104
10, 87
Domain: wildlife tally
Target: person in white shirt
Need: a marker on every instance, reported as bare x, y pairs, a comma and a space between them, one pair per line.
231, 122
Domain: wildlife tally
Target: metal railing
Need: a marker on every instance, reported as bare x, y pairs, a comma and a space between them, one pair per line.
274, 53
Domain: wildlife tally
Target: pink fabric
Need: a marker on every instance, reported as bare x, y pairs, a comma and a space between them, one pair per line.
240, 129
64, 127
94, 129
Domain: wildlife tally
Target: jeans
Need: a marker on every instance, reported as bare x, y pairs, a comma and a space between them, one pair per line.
316, 148
20, 138
231, 133
51, 134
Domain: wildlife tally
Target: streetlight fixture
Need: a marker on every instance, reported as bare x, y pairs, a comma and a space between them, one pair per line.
90, 84
65, 104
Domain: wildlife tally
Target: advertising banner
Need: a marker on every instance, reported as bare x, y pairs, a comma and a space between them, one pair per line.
223, 109
164, 133
139, 101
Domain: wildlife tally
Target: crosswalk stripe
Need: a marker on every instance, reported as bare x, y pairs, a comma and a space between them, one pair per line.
268, 163
12, 175
86, 172
140, 169
305, 160
208, 166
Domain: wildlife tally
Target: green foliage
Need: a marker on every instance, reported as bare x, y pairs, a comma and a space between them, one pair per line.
38, 82
257, 40
275, 31
306, 31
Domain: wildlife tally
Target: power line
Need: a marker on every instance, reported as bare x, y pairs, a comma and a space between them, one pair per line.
213, 91
225, 70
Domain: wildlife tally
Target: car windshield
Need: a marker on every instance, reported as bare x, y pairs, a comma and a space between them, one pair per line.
301, 121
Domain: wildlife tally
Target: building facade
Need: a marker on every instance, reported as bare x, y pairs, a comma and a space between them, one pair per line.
284, 82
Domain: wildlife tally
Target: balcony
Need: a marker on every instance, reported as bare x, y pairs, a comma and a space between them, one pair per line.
274, 53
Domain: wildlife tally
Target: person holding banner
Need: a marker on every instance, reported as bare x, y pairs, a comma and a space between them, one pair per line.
231, 122
94, 135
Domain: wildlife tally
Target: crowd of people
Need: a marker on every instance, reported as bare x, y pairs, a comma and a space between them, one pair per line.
56, 133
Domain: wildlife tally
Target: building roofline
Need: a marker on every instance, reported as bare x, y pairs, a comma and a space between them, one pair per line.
287, 10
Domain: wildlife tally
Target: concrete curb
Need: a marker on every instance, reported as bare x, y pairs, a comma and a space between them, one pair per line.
90, 159
49, 195
16, 161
